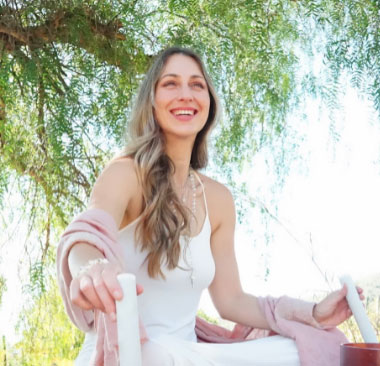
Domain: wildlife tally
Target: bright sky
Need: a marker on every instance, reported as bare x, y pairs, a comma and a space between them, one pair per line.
334, 195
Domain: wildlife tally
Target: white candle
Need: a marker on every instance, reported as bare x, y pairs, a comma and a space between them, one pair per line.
128, 322
358, 310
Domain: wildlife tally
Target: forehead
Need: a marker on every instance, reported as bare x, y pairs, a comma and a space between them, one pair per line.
181, 65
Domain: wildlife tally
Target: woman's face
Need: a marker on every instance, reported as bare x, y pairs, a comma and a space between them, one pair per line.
182, 100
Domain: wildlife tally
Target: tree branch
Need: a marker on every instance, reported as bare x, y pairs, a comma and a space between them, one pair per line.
41, 131
56, 28
2, 121
47, 238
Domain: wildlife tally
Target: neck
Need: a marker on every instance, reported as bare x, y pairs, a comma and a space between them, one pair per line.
180, 154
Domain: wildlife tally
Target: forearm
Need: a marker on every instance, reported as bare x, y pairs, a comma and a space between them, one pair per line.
80, 254
245, 309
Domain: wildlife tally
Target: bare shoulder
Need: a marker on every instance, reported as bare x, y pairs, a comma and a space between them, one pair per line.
115, 187
220, 202
123, 167
118, 176
215, 189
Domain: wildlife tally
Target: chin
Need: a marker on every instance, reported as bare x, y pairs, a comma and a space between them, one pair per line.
184, 131
181, 134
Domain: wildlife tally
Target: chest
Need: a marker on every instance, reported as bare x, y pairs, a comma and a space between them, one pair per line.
196, 266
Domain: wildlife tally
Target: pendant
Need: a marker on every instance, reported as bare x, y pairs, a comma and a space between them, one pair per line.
192, 278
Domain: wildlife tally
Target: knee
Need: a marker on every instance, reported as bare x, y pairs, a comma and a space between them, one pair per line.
155, 355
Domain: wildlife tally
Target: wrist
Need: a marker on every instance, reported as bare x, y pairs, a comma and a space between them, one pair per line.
80, 255
315, 313
318, 320
92, 262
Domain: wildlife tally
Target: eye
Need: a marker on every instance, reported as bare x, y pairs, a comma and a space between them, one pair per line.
198, 85
168, 83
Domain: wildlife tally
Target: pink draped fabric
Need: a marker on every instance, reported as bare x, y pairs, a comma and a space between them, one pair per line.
286, 316
98, 228
317, 346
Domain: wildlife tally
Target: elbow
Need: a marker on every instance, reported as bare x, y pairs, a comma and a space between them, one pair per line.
227, 309
226, 315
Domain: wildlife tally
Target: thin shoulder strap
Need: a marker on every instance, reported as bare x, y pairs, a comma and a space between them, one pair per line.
203, 190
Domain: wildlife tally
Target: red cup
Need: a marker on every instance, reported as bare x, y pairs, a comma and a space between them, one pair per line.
360, 354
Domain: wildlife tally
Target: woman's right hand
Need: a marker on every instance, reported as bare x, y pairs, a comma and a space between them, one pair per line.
97, 287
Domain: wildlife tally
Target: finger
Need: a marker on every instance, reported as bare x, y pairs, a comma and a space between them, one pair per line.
139, 289
87, 288
112, 284
76, 296
82, 302
342, 293
105, 297
360, 293
359, 289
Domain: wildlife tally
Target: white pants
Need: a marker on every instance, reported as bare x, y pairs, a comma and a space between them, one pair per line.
171, 351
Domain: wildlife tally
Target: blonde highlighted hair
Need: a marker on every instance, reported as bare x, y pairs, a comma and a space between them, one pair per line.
160, 226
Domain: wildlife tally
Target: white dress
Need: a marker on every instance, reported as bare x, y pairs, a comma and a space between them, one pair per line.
168, 309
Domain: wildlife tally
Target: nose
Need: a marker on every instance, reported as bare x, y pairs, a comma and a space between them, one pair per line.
185, 93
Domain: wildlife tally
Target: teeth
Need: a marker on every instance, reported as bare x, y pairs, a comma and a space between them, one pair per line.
183, 111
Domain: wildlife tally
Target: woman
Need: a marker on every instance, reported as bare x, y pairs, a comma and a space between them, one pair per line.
176, 230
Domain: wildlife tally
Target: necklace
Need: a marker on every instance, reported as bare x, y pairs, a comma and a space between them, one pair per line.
192, 225
183, 190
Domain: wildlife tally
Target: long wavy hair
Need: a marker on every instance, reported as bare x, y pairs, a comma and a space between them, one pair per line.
160, 226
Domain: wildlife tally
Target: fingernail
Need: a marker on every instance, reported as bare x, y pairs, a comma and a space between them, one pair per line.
117, 294
113, 316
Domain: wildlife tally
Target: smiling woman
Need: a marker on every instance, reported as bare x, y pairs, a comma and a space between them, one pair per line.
153, 214
182, 100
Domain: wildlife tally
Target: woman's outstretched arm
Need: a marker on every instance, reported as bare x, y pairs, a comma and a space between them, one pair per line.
226, 292
94, 284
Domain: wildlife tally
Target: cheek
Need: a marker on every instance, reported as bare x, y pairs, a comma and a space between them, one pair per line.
205, 99
163, 97
157, 102
206, 105
159, 107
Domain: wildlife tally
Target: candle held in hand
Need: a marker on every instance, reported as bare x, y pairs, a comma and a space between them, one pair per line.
358, 310
128, 322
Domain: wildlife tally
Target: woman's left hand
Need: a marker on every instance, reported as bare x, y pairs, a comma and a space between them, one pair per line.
334, 309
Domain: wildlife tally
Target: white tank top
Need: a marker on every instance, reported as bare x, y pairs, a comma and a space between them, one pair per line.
169, 306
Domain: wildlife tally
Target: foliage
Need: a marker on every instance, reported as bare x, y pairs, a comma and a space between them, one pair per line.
3, 287
47, 335
206, 317
353, 44
69, 70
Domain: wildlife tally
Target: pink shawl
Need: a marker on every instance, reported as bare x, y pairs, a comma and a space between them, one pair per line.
286, 316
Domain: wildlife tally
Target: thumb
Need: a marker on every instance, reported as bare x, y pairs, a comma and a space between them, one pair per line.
343, 292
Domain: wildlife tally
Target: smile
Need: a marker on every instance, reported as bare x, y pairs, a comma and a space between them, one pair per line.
184, 112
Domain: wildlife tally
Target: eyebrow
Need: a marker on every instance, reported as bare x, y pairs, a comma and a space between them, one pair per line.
176, 76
